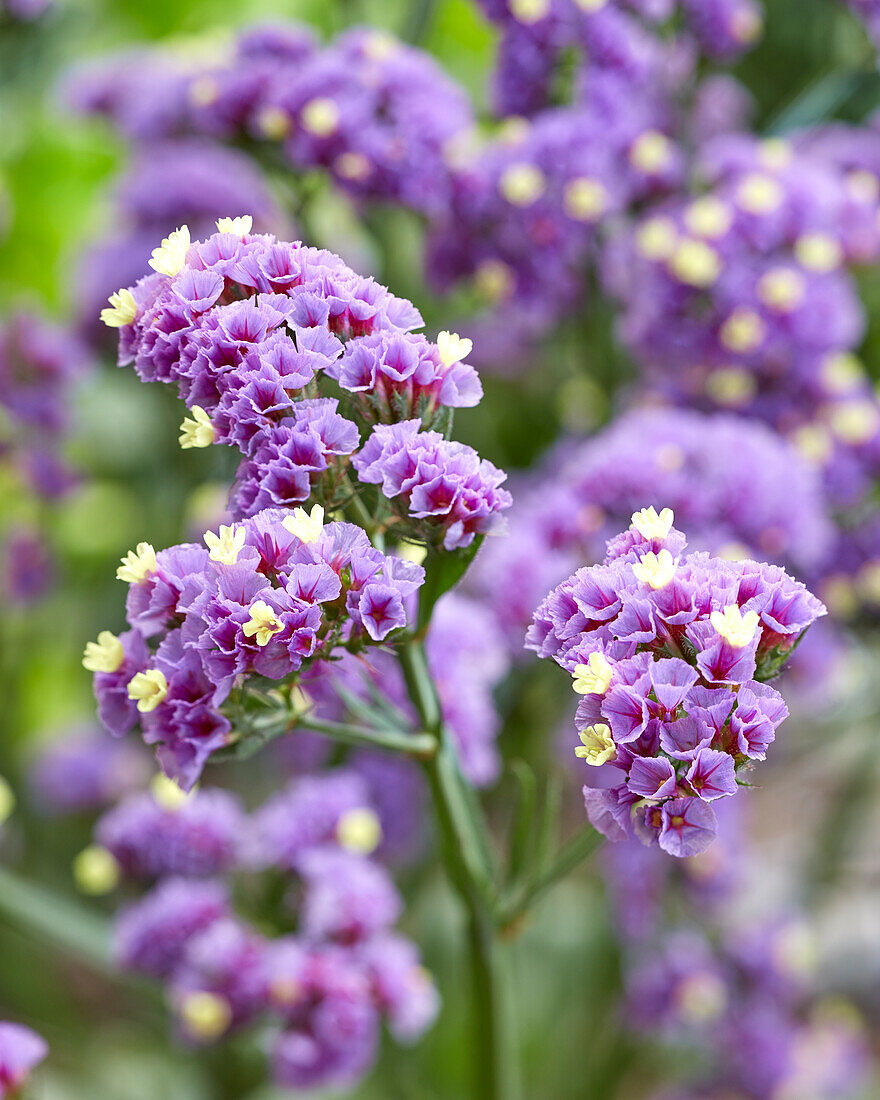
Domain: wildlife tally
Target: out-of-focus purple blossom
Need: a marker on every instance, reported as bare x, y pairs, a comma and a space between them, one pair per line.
668, 652
85, 770
20, 1051
199, 835
738, 489
152, 934
348, 898
28, 566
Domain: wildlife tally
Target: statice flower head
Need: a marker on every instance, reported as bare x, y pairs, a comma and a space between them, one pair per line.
166, 832
437, 480
670, 653
20, 1051
262, 598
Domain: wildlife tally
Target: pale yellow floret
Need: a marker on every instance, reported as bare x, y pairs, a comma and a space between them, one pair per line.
263, 623
596, 746
203, 91
735, 627
529, 11
585, 199
494, 280
300, 702
273, 123
522, 184
731, 386
701, 998
708, 217
513, 130
745, 25
137, 564
652, 524
656, 238
352, 166
121, 311
842, 371
864, 186
651, 152
759, 194
205, 1016
7, 800
240, 226
359, 830
591, 5
743, 331
594, 677
379, 45
307, 526
868, 580
818, 252
197, 430
96, 871
814, 442
839, 595
775, 154
148, 688
167, 794
170, 256
655, 570
104, 655
320, 116
225, 547
734, 551
453, 348
855, 421
782, 289
693, 262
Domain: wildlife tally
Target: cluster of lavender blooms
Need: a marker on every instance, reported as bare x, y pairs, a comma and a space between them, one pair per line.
615, 36
670, 652
322, 992
739, 296
21, 1050
168, 182
262, 599
377, 115
742, 992
24, 11
250, 328
40, 363
734, 485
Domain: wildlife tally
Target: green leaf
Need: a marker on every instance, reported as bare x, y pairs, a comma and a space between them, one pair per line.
443, 570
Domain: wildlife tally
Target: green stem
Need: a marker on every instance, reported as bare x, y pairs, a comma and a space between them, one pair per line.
570, 855
423, 745
467, 856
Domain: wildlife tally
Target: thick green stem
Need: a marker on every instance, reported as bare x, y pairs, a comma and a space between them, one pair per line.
467, 856
423, 745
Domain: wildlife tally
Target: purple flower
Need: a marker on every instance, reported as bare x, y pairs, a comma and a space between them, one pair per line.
20, 1051
347, 898
443, 482
664, 736
151, 936
85, 770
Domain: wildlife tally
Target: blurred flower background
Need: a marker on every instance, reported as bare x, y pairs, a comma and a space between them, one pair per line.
659, 223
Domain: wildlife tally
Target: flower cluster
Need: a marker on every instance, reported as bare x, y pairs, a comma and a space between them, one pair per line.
260, 599
250, 328
374, 113
443, 483
740, 297
670, 653
84, 770
735, 486
325, 989
20, 1051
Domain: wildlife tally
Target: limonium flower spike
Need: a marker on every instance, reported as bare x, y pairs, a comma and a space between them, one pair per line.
670, 653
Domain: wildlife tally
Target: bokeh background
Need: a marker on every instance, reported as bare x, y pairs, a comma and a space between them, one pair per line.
808, 833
